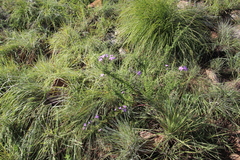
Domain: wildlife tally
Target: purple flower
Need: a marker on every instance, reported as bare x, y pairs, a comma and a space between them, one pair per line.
112, 57
115, 109
183, 68
122, 92
124, 109
102, 57
89, 122
166, 65
139, 72
101, 75
97, 116
85, 124
100, 130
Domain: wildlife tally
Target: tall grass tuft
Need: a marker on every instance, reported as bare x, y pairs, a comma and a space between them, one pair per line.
159, 27
46, 15
23, 47
220, 6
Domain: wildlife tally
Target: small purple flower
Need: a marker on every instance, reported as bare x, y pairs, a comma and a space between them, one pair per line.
102, 57
122, 92
85, 124
112, 57
100, 130
139, 72
183, 68
89, 122
115, 109
101, 75
166, 65
97, 116
124, 109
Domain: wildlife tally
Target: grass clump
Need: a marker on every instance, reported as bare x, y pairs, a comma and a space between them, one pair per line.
220, 6
159, 27
46, 16
23, 47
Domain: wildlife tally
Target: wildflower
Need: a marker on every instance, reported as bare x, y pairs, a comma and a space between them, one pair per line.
183, 68
101, 75
89, 122
139, 73
112, 57
97, 116
102, 57
115, 109
166, 65
122, 92
85, 124
100, 130
124, 110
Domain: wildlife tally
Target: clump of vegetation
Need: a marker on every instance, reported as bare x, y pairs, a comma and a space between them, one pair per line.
125, 80
23, 47
47, 15
163, 29
222, 6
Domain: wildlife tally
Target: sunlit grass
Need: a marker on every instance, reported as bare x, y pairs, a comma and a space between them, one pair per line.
219, 6
23, 47
159, 28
